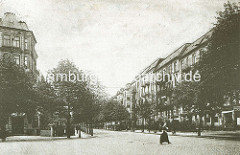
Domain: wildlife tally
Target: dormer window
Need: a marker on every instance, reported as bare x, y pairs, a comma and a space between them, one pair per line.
6, 40
16, 42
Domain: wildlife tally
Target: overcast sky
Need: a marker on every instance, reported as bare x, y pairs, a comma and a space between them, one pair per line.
115, 39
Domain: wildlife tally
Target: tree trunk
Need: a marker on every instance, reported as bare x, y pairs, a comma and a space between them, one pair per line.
68, 120
52, 131
133, 124
68, 126
149, 125
91, 129
172, 114
142, 124
79, 134
200, 125
212, 121
3, 133
87, 128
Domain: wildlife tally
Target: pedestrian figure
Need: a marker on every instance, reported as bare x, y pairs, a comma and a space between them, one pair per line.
164, 137
164, 127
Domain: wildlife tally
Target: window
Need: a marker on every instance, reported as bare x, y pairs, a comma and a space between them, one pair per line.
170, 69
16, 42
17, 59
26, 43
182, 64
175, 66
26, 61
6, 40
197, 56
193, 58
159, 76
190, 60
186, 61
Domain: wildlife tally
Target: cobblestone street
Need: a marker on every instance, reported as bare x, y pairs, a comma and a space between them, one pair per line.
112, 142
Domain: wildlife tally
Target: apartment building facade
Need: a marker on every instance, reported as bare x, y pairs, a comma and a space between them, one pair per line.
17, 44
168, 73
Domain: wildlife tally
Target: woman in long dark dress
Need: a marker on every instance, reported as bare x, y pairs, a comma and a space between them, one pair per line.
164, 137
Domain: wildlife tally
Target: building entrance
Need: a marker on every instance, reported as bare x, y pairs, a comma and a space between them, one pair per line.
17, 125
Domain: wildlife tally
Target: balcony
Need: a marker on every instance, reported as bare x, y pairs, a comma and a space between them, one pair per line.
11, 49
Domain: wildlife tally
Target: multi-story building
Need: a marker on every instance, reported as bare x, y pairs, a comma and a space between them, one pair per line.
119, 96
173, 70
190, 56
17, 43
166, 82
168, 73
139, 91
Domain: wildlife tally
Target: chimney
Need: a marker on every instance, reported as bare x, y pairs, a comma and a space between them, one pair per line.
9, 17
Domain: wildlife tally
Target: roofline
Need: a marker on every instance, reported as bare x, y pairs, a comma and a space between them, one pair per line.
183, 55
172, 54
158, 59
212, 29
21, 30
178, 49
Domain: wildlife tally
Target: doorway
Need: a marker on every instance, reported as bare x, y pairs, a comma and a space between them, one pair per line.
17, 125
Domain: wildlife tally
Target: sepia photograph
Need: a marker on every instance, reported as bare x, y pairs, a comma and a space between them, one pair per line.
119, 77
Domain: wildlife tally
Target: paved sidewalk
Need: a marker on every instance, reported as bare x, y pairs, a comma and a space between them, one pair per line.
42, 138
234, 135
122, 143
